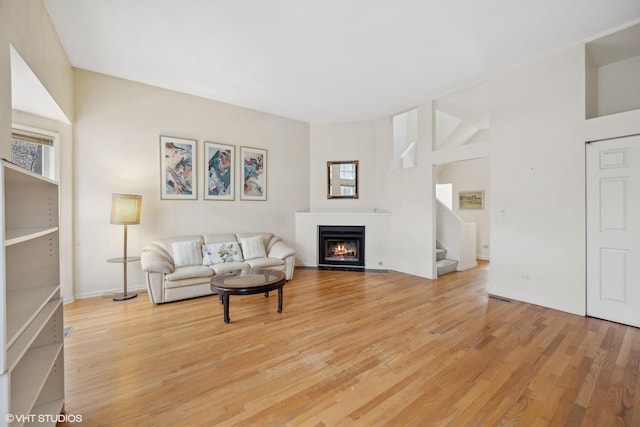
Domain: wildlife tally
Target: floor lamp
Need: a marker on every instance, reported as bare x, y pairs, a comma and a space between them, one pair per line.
125, 210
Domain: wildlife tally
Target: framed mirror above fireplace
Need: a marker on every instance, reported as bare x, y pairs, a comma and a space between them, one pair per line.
342, 180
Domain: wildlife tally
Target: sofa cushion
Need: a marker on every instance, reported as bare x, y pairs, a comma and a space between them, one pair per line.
217, 253
185, 283
265, 262
226, 267
187, 253
189, 272
266, 237
252, 247
167, 242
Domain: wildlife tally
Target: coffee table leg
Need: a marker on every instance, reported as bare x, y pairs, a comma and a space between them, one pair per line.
280, 299
225, 298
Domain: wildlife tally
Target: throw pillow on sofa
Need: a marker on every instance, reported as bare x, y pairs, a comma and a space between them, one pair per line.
186, 253
218, 253
252, 247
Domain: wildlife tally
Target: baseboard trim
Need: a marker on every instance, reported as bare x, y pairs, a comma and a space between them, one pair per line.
110, 292
468, 267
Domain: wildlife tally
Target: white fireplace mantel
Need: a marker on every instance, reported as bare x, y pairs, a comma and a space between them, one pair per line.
377, 231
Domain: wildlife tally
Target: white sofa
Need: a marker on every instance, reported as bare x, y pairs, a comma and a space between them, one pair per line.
182, 267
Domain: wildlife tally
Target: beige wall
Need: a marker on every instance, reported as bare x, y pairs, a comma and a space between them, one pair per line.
26, 26
117, 128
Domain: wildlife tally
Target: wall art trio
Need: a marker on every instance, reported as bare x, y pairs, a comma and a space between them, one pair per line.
179, 171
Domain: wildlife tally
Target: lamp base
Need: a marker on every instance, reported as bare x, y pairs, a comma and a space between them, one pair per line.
123, 297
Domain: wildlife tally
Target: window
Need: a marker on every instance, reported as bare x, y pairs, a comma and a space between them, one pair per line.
34, 152
405, 137
444, 193
347, 171
347, 179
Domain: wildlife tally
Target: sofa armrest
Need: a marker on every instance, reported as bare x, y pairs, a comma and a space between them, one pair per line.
286, 253
281, 250
154, 259
155, 287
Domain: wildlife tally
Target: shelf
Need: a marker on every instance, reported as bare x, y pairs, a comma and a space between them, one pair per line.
31, 312
25, 339
24, 176
612, 64
19, 235
30, 375
22, 307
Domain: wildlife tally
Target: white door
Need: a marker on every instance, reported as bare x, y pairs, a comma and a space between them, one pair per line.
613, 230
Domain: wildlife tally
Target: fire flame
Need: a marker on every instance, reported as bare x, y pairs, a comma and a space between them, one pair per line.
340, 250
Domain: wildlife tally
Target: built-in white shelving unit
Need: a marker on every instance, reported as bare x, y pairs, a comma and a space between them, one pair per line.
32, 356
612, 73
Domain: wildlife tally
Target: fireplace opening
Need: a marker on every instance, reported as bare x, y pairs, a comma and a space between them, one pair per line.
341, 246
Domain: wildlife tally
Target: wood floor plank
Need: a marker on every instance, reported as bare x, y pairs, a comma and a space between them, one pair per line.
350, 349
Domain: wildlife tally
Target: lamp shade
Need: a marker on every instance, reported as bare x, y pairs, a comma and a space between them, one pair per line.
125, 208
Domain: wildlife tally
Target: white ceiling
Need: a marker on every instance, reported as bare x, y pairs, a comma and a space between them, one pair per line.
323, 60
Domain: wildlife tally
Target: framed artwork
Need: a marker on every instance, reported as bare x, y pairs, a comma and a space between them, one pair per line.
471, 199
178, 168
253, 173
219, 166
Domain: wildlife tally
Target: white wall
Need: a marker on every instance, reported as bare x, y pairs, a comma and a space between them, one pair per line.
339, 142
591, 86
409, 195
536, 174
405, 193
471, 175
619, 86
537, 182
377, 254
117, 129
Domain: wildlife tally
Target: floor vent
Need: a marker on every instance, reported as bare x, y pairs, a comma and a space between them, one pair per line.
67, 331
499, 298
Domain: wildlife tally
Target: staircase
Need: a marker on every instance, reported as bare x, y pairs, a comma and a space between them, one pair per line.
444, 265
456, 239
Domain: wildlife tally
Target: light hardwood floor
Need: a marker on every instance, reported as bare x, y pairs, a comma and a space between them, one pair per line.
350, 349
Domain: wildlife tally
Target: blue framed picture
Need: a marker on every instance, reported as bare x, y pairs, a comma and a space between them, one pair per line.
219, 161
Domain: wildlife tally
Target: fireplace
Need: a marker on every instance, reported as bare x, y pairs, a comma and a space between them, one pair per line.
341, 246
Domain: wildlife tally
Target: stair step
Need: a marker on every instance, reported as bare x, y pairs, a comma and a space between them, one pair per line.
446, 266
440, 254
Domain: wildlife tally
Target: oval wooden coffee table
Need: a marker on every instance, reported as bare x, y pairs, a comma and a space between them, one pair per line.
247, 282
